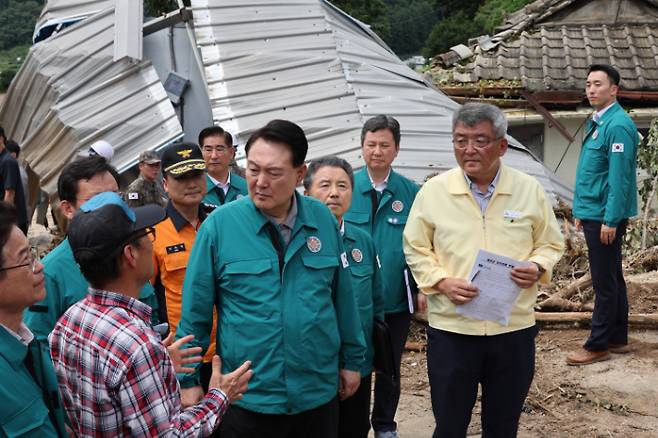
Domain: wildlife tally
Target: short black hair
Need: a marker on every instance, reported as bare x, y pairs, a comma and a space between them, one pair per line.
609, 70
381, 121
99, 272
83, 168
13, 147
286, 132
330, 161
213, 131
2, 134
7, 221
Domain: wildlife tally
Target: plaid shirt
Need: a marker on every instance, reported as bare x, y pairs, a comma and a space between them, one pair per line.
116, 377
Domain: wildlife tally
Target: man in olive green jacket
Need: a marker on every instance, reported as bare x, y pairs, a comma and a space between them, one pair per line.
30, 405
274, 265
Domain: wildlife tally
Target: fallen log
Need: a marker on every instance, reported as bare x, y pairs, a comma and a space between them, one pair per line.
556, 301
638, 320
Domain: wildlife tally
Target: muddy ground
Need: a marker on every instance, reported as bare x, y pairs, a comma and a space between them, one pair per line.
615, 398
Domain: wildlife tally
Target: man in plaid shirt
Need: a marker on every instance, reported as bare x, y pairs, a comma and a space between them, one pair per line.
115, 375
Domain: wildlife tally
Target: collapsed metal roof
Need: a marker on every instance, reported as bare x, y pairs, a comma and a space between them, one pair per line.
70, 93
301, 60
309, 62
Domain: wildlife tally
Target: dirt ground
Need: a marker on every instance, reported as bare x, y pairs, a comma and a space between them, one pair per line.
615, 398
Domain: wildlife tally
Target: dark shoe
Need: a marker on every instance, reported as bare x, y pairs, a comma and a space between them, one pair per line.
586, 357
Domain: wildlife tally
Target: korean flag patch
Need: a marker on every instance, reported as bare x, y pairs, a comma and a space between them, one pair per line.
617, 147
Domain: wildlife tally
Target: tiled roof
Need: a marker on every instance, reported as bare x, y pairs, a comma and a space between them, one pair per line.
557, 58
549, 44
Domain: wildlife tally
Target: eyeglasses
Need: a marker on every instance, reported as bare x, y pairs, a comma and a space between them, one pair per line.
148, 231
33, 263
478, 143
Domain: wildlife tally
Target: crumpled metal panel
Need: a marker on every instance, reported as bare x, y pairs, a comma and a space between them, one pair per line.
308, 62
58, 9
70, 93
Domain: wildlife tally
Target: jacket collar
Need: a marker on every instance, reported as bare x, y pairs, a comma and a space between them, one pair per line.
457, 184
305, 217
362, 183
178, 220
13, 350
608, 114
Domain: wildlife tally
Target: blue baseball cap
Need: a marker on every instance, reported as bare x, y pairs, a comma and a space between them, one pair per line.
105, 223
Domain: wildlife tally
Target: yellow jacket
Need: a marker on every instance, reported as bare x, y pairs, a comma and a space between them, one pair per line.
445, 230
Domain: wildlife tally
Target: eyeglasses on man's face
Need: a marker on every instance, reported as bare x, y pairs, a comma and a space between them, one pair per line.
33, 262
479, 143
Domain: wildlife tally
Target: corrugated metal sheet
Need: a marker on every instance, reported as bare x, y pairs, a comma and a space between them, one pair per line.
306, 61
57, 9
69, 93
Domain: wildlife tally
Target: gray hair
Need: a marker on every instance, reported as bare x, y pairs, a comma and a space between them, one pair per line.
329, 161
472, 113
381, 122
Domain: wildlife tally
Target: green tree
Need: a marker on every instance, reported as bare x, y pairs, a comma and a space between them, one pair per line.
371, 12
411, 23
17, 20
456, 29
492, 13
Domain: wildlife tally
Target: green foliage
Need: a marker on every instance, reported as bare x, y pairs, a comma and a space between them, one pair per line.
155, 8
456, 29
410, 26
17, 20
371, 12
10, 62
492, 13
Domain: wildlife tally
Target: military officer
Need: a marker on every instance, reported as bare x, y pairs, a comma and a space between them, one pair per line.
273, 263
65, 284
185, 182
222, 185
146, 189
30, 402
331, 179
380, 206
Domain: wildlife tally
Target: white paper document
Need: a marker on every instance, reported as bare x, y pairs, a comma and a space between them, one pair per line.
496, 290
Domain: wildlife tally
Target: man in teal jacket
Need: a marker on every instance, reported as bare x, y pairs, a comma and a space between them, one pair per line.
604, 199
65, 284
222, 185
274, 265
331, 180
380, 206
30, 404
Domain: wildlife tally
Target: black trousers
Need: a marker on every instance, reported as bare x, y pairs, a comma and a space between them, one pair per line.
354, 419
321, 422
610, 317
387, 393
503, 364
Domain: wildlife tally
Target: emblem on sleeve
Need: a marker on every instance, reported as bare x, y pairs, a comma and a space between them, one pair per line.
133, 195
397, 206
357, 255
618, 147
314, 244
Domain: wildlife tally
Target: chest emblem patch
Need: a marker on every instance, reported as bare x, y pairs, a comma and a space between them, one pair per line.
357, 255
314, 244
397, 206
595, 135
